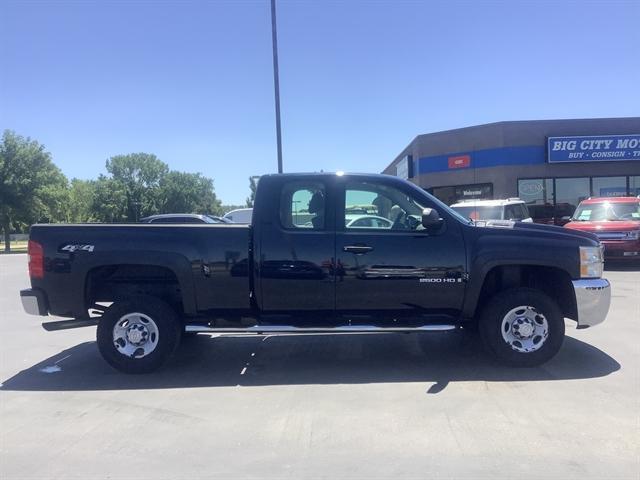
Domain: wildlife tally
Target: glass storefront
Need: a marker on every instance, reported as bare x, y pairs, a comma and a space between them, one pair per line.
609, 186
569, 193
539, 195
553, 200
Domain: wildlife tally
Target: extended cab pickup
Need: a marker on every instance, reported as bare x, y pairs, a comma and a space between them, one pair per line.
303, 265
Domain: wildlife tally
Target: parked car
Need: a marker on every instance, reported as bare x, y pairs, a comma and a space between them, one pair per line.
432, 271
615, 221
508, 209
179, 218
367, 221
240, 215
548, 214
219, 219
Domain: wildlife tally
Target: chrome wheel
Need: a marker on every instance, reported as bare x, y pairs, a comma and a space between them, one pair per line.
525, 329
135, 335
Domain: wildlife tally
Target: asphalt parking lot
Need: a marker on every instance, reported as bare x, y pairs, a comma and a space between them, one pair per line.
350, 406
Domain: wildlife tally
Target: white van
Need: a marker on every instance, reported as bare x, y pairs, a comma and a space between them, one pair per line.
240, 215
509, 209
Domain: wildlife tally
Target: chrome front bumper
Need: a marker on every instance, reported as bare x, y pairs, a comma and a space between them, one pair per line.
593, 297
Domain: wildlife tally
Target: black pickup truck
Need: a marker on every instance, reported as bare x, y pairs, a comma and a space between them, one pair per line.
324, 253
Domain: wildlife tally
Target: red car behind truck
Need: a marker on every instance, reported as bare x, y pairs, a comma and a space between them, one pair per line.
616, 223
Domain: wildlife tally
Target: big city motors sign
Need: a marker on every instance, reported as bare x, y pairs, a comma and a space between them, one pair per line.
593, 149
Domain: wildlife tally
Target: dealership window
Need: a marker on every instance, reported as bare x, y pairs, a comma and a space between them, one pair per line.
569, 193
555, 204
609, 186
538, 194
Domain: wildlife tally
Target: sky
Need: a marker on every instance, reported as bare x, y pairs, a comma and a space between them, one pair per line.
192, 81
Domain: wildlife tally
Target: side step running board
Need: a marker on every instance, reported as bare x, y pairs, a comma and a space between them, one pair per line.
69, 324
340, 329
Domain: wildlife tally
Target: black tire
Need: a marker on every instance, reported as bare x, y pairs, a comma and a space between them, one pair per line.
168, 327
490, 325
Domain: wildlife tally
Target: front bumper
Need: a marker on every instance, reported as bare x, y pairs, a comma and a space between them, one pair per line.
593, 297
619, 249
34, 301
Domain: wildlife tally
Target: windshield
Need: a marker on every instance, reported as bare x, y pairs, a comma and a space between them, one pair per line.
595, 212
480, 212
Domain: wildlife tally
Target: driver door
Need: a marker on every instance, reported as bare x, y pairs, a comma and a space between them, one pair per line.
390, 269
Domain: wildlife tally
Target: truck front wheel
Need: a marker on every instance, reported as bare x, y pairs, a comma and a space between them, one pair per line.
138, 335
522, 327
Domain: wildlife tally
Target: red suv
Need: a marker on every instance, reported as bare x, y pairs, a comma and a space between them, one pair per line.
615, 221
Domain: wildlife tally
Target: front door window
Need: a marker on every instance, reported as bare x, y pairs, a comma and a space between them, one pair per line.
380, 207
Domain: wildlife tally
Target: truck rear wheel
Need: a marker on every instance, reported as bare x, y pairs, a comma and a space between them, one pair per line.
138, 335
522, 327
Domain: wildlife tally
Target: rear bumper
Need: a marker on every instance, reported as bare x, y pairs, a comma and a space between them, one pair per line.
593, 297
34, 301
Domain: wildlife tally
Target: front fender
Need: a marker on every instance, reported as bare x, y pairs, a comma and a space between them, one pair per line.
498, 250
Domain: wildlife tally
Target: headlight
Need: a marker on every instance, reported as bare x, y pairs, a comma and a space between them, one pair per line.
591, 262
632, 235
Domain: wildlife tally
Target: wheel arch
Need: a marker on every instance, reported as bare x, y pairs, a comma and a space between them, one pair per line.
555, 282
170, 279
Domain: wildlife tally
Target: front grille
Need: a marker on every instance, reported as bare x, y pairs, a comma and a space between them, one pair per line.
612, 235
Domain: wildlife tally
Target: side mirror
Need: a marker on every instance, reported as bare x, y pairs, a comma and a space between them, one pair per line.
431, 220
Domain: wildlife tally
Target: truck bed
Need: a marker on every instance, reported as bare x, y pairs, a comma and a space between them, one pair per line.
208, 265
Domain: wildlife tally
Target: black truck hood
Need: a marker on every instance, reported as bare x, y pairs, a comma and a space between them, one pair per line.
535, 228
554, 230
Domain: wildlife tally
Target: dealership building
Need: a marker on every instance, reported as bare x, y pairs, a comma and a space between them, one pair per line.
551, 164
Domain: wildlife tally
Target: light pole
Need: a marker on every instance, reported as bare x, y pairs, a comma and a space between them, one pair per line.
276, 82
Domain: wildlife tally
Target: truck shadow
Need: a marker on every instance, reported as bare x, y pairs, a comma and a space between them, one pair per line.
250, 361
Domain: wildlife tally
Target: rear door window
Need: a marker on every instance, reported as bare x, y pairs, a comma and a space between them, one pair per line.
303, 206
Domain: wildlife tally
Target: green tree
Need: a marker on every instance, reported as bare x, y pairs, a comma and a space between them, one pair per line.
253, 185
32, 188
182, 192
109, 203
81, 201
139, 174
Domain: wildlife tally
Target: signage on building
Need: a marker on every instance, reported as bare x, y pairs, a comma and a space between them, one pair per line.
461, 161
404, 168
602, 148
530, 188
612, 192
477, 191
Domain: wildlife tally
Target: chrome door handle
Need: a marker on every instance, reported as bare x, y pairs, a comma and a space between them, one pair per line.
357, 249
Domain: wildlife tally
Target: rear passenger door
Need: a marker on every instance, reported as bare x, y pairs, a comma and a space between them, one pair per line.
296, 255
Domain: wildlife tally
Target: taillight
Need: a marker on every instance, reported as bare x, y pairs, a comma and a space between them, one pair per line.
36, 260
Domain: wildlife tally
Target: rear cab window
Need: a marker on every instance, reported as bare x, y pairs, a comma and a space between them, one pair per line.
303, 206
